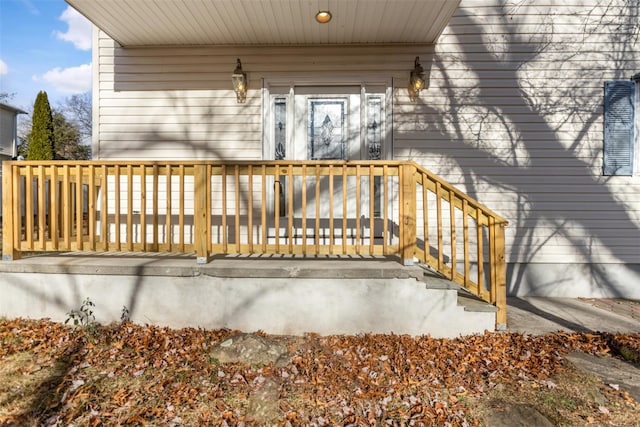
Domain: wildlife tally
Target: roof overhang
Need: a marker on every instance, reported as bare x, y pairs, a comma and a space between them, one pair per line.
134, 23
14, 110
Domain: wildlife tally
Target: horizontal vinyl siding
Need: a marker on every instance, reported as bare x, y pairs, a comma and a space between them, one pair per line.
154, 120
177, 103
513, 115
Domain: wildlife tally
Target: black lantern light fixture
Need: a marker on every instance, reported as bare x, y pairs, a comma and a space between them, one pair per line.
416, 79
239, 80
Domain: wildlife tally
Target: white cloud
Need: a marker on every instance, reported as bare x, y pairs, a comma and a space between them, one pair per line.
3, 68
68, 80
79, 30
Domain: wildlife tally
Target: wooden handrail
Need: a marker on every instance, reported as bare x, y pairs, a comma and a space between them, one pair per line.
264, 207
467, 213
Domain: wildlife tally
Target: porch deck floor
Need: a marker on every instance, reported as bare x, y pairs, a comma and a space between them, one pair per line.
229, 266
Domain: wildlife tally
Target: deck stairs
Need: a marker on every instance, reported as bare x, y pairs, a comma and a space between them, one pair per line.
466, 303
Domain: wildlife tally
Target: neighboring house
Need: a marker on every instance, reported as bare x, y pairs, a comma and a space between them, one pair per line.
9, 131
8, 135
512, 111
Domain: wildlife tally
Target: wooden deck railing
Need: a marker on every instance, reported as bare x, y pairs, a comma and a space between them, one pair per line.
270, 207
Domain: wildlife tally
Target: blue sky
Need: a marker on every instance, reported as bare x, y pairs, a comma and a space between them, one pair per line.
44, 45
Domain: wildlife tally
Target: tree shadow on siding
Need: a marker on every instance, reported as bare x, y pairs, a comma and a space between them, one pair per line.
504, 169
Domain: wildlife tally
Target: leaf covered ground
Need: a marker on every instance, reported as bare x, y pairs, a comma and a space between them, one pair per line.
126, 374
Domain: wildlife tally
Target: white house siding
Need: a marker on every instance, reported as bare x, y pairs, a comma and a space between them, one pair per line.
177, 102
513, 115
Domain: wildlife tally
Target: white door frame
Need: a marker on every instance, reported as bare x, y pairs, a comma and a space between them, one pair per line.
299, 92
285, 88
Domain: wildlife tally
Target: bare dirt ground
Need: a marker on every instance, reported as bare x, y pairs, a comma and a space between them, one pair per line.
125, 374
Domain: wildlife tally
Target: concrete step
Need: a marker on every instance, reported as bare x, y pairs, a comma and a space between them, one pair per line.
472, 303
464, 299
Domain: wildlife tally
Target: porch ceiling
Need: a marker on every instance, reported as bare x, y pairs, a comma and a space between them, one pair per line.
267, 22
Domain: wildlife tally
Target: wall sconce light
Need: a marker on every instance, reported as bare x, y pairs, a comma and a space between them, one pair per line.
416, 79
239, 80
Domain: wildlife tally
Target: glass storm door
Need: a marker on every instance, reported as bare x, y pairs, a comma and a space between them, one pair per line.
327, 128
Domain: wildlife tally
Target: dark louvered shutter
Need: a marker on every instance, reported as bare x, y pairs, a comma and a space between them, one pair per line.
618, 127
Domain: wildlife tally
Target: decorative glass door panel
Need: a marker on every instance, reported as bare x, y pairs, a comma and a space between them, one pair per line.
327, 124
280, 128
375, 127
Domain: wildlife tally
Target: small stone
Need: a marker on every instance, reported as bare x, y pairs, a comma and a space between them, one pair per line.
517, 415
249, 348
263, 403
597, 397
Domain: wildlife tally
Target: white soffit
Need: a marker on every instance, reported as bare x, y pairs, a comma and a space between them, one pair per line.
267, 22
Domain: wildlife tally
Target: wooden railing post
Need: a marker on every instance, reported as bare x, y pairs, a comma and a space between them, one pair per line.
500, 284
408, 214
9, 251
201, 234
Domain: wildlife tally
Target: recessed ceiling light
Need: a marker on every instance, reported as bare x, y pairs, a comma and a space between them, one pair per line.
323, 16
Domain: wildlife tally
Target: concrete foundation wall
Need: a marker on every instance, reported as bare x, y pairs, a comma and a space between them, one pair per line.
274, 305
574, 280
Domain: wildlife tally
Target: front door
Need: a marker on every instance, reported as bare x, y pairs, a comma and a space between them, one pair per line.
330, 124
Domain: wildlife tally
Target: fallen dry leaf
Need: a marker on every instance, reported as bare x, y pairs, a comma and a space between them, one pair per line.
138, 375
